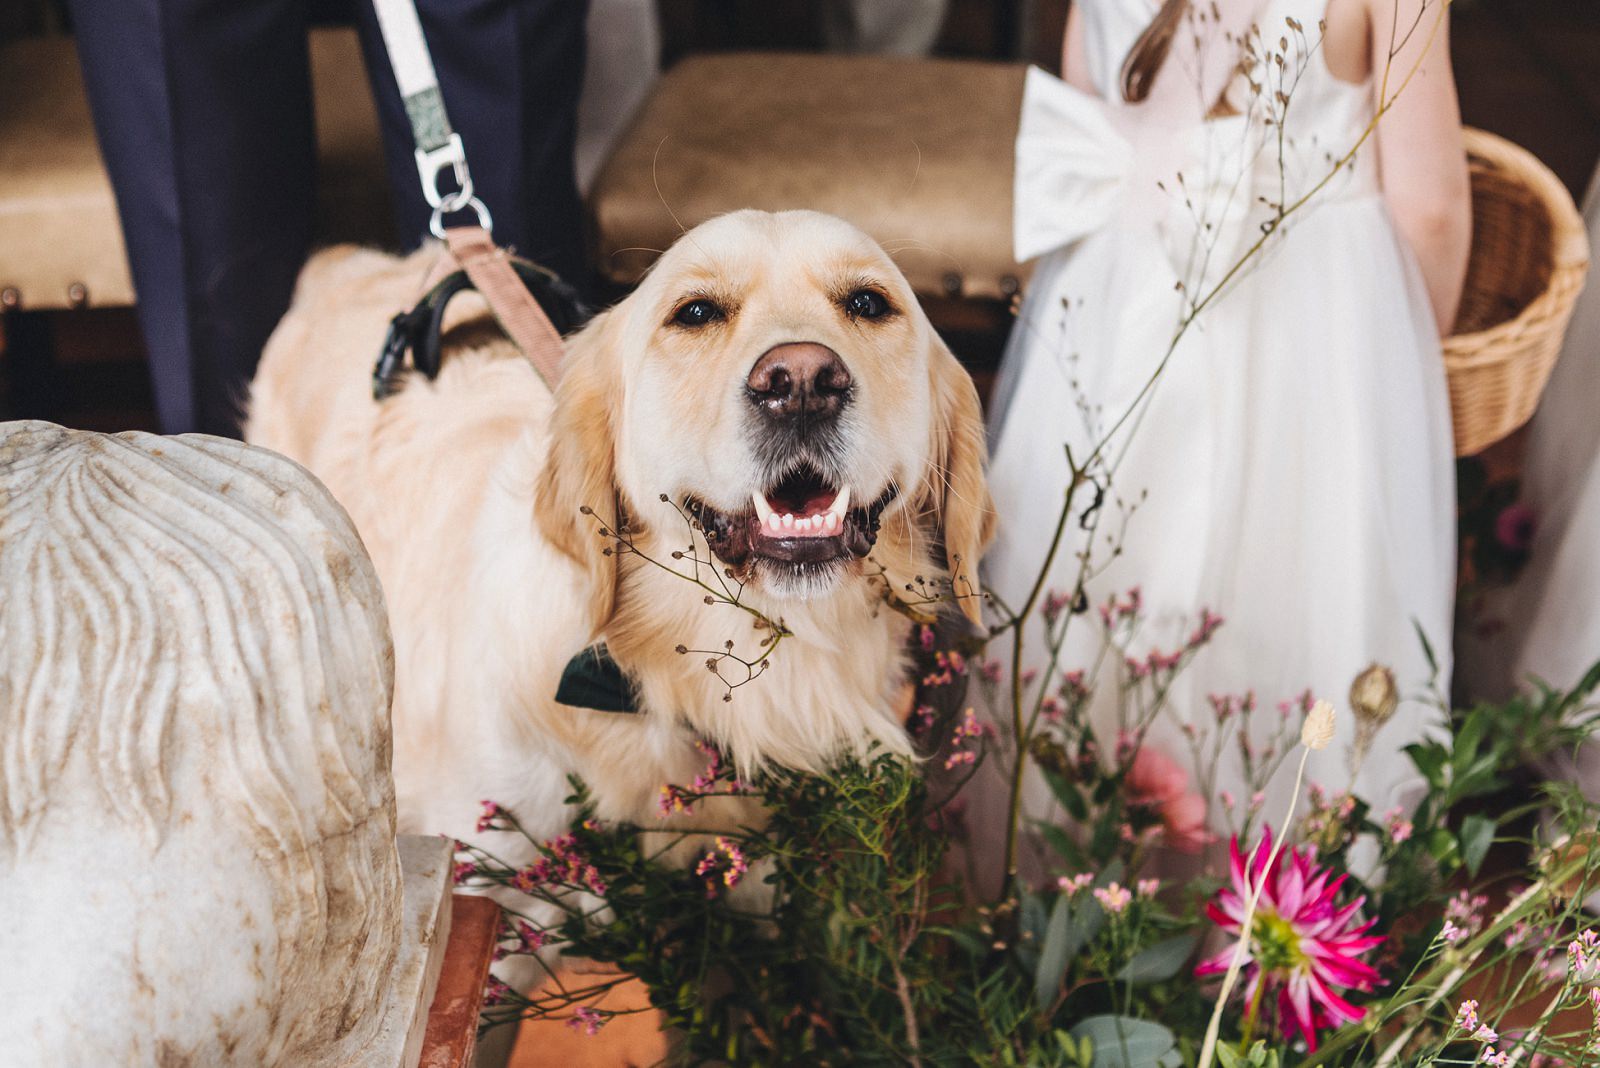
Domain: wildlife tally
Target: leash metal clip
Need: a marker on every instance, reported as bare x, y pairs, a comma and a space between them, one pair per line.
430, 165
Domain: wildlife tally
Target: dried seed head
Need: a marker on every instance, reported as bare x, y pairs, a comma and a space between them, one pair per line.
1374, 696
1317, 731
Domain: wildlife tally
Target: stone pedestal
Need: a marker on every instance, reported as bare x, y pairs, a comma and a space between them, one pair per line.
198, 862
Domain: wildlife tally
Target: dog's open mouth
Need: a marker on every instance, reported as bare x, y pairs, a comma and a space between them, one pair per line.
803, 520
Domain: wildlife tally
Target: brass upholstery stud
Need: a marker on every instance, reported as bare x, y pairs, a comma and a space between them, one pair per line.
77, 295
952, 284
10, 298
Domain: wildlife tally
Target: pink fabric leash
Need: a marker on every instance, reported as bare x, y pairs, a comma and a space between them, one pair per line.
519, 315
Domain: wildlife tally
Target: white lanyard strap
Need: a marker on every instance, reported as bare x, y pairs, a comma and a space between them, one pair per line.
438, 147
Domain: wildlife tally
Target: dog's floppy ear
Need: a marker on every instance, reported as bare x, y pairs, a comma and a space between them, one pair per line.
577, 493
959, 492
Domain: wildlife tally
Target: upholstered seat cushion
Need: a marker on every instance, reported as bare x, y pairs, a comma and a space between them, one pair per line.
916, 152
60, 240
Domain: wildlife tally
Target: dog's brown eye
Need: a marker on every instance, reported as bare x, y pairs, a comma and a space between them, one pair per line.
699, 313
866, 304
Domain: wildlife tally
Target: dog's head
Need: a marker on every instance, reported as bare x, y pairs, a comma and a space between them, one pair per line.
775, 378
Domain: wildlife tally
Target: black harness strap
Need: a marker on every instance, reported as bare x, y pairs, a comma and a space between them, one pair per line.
417, 331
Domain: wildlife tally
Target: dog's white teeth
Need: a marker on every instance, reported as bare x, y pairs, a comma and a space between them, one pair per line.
831, 523
841, 503
763, 509
788, 521
774, 523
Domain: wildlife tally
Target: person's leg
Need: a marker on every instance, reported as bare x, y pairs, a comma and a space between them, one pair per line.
510, 72
203, 111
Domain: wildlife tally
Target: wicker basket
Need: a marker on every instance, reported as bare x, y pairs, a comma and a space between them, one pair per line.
1529, 257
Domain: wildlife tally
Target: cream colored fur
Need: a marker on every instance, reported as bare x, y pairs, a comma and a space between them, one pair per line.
467, 492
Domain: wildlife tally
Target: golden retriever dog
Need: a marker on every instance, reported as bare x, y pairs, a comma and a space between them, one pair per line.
771, 405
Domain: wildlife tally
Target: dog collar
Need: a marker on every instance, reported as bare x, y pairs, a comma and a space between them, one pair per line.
592, 679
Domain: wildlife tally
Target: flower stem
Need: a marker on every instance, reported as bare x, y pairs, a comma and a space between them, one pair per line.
1445, 986
1250, 1017
1208, 1049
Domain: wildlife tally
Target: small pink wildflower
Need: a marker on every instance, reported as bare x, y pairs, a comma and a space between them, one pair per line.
1074, 884
968, 728
950, 665
463, 870
1467, 1015
725, 861
586, 1018
673, 800
1149, 887
1467, 911
489, 815
562, 864
1451, 933
991, 670
1583, 956
496, 993
531, 938
1114, 898
1495, 1059
1399, 828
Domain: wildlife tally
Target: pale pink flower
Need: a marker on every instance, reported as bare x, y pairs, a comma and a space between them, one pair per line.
1114, 898
1149, 887
1399, 828
1072, 884
1157, 781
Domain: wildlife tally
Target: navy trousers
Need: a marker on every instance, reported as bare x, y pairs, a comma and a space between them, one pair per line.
203, 112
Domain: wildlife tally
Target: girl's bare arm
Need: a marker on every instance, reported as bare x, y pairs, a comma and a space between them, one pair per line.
1421, 162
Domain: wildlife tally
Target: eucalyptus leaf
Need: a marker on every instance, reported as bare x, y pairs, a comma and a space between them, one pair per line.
1477, 834
1159, 962
1067, 793
1054, 955
1125, 1042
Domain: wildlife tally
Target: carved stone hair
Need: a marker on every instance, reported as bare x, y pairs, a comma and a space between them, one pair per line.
194, 703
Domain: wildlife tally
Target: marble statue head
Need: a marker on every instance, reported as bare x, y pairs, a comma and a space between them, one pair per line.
197, 828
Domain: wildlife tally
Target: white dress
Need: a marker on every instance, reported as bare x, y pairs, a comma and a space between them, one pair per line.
1292, 468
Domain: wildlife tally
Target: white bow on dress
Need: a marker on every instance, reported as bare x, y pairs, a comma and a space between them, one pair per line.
1076, 171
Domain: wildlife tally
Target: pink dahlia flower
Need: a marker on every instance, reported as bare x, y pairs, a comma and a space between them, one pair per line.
1305, 948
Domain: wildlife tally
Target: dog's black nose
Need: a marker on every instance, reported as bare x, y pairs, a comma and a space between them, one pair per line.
799, 381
